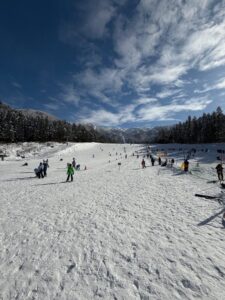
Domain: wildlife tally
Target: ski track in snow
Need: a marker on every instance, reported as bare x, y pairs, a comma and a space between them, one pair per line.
110, 234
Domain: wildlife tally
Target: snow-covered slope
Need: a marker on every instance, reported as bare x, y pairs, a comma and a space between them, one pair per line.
115, 232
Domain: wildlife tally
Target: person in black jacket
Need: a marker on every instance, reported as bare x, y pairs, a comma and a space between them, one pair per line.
45, 167
219, 170
159, 160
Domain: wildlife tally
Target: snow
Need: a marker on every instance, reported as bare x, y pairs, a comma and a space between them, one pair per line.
127, 233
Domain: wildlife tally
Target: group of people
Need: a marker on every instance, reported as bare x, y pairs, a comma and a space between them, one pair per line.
164, 164
41, 170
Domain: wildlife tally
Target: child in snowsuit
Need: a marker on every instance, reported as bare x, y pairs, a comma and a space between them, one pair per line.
74, 163
186, 165
40, 171
77, 168
70, 172
45, 166
143, 164
159, 160
219, 170
164, 164
152, 160
172, 162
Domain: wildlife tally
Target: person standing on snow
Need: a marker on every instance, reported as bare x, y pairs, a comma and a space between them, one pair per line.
40, 171
74, 163
143, 164
70, 172
159, 161
186, 165
152, 160
219, 170
45, 166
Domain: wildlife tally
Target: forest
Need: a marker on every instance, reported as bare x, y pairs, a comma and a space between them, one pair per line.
15, 126
209, 128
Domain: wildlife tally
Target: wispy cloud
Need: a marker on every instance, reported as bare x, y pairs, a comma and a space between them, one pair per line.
144, 110
160, 50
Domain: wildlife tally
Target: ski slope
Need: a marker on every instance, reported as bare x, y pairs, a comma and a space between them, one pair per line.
112, 233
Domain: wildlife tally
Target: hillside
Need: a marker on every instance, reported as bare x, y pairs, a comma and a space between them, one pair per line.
116, 232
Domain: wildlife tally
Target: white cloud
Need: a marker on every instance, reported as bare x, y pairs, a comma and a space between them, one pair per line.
219, 85
100, 14
166, 112
150, 110
69, 93
156, 48
167, 93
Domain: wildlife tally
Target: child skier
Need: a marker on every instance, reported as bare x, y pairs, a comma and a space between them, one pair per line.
70, 172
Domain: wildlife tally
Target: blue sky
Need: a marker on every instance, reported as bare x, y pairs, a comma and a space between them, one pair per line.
117, 63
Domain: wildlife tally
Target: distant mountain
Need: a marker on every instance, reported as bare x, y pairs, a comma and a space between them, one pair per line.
37, 113
90, 132
129, 135
29, 112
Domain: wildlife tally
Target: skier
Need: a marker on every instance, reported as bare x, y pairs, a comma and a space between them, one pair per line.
143, 164
186, 165
159, 160
70, 172
74, 163
219, 169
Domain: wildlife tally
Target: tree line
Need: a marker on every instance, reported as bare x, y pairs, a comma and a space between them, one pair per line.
209, 128
15, 126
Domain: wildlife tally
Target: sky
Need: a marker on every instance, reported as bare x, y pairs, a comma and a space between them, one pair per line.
116, 63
